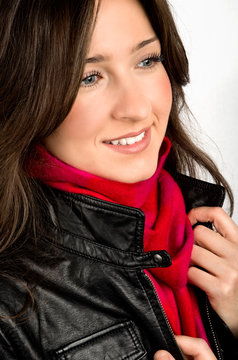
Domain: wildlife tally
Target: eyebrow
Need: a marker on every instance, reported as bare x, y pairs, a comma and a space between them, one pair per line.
100, 58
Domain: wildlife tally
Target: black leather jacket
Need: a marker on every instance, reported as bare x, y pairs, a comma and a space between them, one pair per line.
97, 302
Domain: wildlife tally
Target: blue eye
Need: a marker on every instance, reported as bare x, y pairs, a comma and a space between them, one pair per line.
147, 62
151, 61
90, 80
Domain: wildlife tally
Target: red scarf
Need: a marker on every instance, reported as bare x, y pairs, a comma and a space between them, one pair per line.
166, 226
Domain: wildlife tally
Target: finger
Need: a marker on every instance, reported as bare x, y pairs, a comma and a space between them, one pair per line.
163, 355
211, 241
217, 216
204, 281
208, 261
225, 249
198, 348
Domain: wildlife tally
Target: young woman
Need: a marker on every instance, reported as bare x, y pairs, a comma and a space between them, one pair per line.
97, 252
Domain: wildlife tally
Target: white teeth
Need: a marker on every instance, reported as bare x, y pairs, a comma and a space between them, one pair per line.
127, 141
140, 137
122, 142
131, 140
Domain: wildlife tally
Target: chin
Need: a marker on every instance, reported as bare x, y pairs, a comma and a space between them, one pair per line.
135, 176
138, 178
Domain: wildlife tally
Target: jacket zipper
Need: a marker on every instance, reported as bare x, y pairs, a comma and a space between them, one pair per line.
220, 357
163, 311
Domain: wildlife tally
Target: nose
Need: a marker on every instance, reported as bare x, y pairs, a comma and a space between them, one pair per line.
131, 103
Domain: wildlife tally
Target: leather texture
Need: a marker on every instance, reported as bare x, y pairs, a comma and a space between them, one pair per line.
94, 301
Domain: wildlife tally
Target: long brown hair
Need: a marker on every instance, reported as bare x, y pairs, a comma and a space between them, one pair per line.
185, 155
42, 52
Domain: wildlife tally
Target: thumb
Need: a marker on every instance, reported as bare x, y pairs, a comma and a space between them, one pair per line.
163, 355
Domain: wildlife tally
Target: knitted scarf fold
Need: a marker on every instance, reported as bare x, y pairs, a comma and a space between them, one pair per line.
166, 226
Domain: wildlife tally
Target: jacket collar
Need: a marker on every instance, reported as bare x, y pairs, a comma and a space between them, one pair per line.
118, 226
199, 193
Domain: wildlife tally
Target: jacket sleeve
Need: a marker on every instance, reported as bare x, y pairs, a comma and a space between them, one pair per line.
221, 339
6, 350
228, 343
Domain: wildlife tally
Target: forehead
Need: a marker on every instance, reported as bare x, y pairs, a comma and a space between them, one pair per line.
120, 24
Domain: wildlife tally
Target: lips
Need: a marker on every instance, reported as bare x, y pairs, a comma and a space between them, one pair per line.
128, 139
131, 143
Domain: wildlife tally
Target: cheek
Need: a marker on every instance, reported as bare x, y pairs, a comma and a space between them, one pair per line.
161, 95
167, 91
84, 120
164, 98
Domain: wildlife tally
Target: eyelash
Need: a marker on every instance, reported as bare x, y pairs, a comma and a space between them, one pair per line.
156, 58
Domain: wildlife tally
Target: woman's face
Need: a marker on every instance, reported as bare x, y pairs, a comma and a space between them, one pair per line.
119, 118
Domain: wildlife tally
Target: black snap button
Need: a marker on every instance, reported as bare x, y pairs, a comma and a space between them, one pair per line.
158, 258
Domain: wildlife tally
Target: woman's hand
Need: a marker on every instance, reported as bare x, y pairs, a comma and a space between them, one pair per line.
216, 252
192, 348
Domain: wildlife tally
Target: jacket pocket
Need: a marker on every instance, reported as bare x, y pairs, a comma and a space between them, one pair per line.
118, 342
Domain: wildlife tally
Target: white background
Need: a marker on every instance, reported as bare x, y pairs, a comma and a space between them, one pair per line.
209, 30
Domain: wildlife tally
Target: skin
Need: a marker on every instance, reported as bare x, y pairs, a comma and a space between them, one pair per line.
217, 253
129, 94
192, 349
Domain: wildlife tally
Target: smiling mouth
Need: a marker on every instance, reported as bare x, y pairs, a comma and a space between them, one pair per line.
131, 143
127, 140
